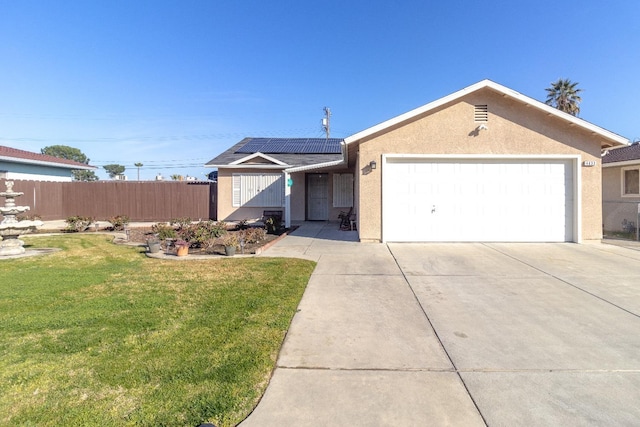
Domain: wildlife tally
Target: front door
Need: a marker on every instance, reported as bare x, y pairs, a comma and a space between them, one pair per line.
318, 197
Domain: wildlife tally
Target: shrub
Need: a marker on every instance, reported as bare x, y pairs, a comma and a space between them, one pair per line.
229, 239
78, 223
119, 222
164, 231
199, 233
181, 222
32, 217
254, 235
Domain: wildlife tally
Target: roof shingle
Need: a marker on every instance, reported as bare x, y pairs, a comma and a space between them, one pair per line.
37, 157
625, 154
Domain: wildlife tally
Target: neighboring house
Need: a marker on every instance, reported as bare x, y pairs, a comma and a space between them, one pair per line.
20, 164
621, 188
483, 164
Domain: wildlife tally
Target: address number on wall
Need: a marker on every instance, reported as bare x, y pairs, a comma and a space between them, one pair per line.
589, 163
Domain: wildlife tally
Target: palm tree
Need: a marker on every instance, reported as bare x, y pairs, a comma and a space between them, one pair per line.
564, 96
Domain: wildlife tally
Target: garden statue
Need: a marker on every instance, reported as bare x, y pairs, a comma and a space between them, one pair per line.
11, 227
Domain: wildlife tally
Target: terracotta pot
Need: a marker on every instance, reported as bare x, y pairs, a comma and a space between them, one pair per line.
182, 251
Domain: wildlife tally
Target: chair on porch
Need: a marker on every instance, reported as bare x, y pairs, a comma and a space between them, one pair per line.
346, 219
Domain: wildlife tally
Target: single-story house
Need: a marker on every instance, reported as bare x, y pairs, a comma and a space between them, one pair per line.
25, 165
621, 188
485, 163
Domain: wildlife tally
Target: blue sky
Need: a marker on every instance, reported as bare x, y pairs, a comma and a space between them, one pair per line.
172, 84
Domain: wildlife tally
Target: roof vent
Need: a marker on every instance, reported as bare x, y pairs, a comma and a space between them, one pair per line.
481, 114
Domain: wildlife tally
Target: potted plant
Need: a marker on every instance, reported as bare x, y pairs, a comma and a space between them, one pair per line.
182, 247
154, 245
230, 242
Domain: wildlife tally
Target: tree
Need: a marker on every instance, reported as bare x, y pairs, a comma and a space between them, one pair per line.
70, 153
114, 170
564, 96
176, 177
138, 165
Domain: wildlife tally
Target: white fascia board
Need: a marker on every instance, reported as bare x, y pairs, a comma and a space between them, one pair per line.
620, 140
635, 162
575, 157
254, 166
254, 155
45, 163
316, 166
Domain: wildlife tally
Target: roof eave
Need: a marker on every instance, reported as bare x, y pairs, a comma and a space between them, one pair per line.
315, 166
259, 154
45, 163
245, 166
613, 137
621, 163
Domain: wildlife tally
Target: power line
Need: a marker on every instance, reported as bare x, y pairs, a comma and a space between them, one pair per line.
165, 138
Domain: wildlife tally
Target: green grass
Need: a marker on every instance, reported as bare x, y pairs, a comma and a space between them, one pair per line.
98, 334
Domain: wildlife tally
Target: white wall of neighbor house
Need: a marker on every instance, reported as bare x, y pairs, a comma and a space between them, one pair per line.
620, 205
10, 170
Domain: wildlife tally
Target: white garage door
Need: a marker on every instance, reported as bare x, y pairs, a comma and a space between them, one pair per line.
478, 200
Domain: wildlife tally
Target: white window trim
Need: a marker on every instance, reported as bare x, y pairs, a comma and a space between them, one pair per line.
342, 190
622, 182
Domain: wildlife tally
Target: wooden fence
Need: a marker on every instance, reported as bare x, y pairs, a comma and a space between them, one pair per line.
139, 200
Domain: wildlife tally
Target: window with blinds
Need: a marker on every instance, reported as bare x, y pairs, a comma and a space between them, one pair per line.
258, 190
342, 190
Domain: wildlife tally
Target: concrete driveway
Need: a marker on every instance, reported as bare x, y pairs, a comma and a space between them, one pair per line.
458, 334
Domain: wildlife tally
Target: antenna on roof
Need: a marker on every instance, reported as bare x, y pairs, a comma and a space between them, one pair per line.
326, 121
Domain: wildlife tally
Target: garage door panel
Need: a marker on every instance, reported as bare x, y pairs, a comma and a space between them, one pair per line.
488, 200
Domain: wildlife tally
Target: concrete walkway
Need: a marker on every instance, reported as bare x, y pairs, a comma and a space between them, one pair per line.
457, 334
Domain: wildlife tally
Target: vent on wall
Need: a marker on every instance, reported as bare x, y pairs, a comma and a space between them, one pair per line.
481, 114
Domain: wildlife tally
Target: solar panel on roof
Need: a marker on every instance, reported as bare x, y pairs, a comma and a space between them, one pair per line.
292, 146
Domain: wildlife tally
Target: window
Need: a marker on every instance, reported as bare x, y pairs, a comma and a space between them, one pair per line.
630, 182
258, 190
342, 190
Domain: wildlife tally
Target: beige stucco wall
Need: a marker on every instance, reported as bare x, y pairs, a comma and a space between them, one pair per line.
513, 129
226, 211
615, 207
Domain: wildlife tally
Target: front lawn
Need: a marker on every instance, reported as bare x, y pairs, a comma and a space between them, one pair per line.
98, 334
